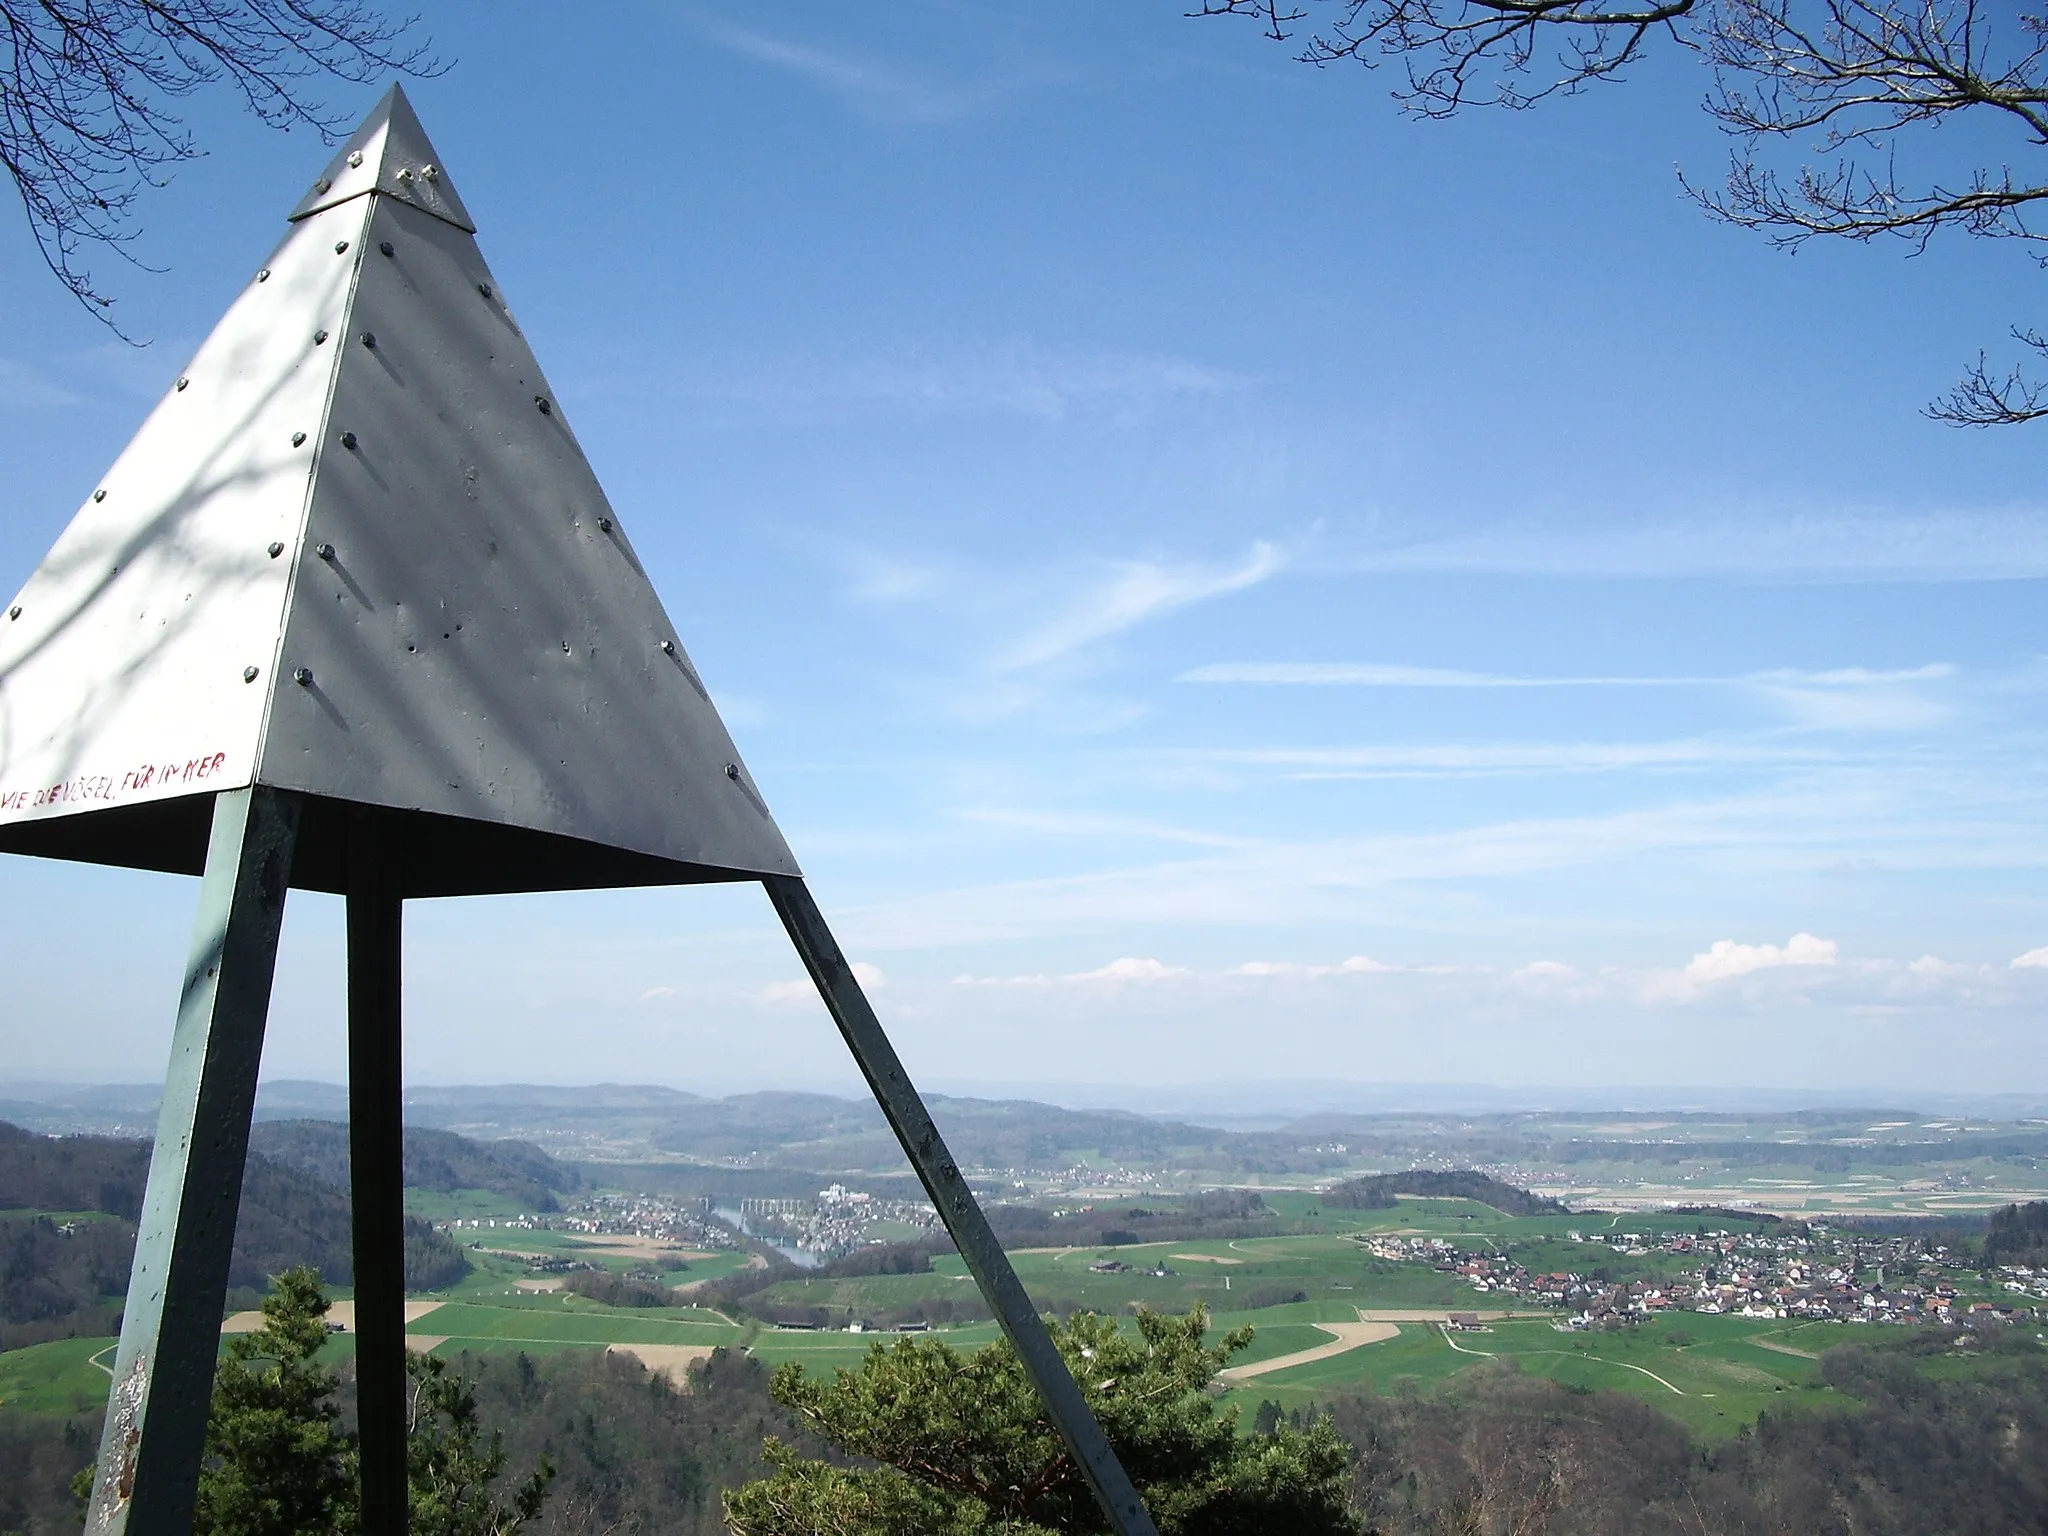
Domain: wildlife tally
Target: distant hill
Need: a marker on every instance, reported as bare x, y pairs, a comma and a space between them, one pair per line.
65, 1274
440, 1160
1379, 1192
812, 1130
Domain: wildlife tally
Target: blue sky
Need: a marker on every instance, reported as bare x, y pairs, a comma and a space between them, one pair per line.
1217, 580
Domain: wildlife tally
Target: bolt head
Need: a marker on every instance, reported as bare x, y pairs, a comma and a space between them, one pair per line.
303, 676
369, 340
183, 382
732, 771
484, 289
298, 439
318, 337
387, 247
431, 172
248, 674
340, 246
322, 184
355, 157
541, 404
263, 276
668, 647
99, 495
324, 551
276, 548
348, 439
604, 525
14, 612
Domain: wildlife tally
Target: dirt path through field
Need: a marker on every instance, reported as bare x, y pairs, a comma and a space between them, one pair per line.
342, 1312
1344, 1337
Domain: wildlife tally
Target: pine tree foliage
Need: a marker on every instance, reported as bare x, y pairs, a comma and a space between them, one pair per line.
277, 1460
962, 1443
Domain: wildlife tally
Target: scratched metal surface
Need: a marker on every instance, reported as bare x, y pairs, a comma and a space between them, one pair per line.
476, 635
122, 678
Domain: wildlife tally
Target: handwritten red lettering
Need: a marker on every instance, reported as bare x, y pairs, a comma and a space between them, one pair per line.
90, 788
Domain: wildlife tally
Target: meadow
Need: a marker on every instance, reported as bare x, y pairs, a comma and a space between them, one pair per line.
1713, 1373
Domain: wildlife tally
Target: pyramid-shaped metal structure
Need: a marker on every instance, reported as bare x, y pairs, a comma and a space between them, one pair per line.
356, 552
351, 613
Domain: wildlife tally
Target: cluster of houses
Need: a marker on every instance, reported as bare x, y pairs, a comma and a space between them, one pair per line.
685, 1222
1800, 1273
838, 1221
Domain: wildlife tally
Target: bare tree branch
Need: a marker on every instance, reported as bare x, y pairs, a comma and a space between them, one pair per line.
1982, 399
1862, 82
87, 87
1457, 52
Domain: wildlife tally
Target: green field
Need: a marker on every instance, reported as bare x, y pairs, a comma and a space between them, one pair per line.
1714, 1373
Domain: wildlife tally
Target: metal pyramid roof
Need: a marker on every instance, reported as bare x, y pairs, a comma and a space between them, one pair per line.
356, 552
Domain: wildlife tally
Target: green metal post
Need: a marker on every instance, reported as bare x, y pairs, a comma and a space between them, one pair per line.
170, 1332
376, 1141
956, 1206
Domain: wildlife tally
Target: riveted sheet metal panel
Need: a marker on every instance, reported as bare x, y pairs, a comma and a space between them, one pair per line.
388, 154
136, 662
475, 635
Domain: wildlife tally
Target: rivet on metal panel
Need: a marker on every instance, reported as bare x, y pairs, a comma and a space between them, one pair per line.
14, 612
387, 247
348, 439
484, 289
668, 647
732, 771
542, 402
340, 246
99, 495
604, 525
276, 548
263, 276
303, 676
318, 337
369, 339
248, 674
183, 382
355, 158
324, 551
322, 184
298, 439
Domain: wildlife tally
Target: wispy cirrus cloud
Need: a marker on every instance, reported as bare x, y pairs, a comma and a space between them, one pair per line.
867, 85
1832, 544
1468, 759
23, 387
916, 378
1344, 674
1137, 592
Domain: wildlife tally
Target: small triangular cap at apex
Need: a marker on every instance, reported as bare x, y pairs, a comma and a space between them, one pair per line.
389, 153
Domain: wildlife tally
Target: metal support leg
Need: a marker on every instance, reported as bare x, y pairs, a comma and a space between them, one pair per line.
170, 1333
970, 1231
376, 1167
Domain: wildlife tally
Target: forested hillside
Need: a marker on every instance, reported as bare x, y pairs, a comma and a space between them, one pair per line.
2018, 1234
439, 1160
68, 1207
1379, 1192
